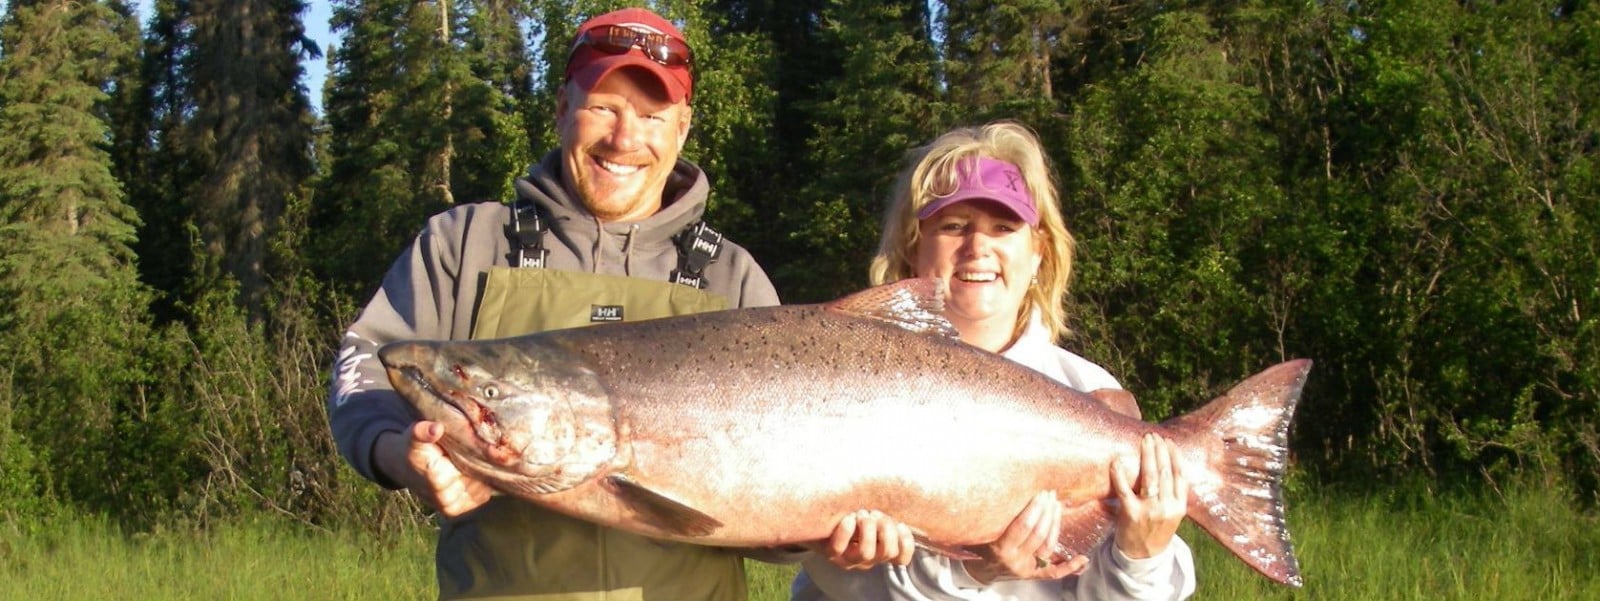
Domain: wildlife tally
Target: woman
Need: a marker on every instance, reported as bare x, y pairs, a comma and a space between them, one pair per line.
977, 208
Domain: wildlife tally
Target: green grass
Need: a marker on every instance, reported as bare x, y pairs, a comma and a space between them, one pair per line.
769, 582
83, 559
1530, 544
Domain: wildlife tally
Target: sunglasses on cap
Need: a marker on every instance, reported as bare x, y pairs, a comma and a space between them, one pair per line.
616, 39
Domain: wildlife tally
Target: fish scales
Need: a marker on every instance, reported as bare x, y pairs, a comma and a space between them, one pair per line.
904, 430
756, 427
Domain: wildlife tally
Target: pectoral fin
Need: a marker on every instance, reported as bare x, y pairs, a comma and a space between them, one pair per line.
660, 511
1083, 526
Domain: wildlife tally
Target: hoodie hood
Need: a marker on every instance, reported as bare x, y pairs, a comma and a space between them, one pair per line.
682, 203
616, 247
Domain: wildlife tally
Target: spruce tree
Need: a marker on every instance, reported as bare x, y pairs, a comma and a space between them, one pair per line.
423, 110
998, 55
72, 312
249, 132
154, 167
885, 102
492, 142
771, 60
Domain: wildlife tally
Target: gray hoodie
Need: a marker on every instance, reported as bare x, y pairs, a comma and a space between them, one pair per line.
431, 290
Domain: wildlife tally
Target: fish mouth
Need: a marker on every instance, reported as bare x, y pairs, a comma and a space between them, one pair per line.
455, 407
425, 388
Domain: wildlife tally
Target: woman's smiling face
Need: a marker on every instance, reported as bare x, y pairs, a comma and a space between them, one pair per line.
987, 255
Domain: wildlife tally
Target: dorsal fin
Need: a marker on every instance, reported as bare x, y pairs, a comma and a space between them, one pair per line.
915, 304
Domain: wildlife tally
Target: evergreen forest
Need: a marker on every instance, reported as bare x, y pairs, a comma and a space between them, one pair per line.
1405, 191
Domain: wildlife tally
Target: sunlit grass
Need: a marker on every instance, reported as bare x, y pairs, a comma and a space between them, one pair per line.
79, 559
769, 582
1529, 543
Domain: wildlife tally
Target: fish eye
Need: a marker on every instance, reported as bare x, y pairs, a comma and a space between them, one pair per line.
490, 391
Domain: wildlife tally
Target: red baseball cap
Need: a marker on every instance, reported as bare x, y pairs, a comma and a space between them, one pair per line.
591, 61
989, 179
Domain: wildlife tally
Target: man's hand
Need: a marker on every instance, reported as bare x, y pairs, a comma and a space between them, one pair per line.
418, 463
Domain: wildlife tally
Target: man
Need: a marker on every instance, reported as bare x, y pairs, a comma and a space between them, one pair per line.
605, 228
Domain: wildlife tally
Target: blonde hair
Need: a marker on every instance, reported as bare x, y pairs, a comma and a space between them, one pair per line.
931, 173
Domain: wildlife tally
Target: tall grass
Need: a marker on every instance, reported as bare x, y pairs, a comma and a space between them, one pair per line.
1529, 543
86, 558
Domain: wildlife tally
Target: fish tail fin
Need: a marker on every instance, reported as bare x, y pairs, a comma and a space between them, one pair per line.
1238, 497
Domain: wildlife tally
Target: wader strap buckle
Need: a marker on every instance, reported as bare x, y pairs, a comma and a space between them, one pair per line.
526, 232
698, 246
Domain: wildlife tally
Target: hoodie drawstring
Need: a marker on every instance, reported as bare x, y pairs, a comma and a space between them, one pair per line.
627, 249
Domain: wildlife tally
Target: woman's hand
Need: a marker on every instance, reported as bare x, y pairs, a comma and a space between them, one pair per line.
867, 538
416, 461
1152, 510
1027, 548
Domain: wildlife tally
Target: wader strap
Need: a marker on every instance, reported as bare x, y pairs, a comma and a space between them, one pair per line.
698, 246
526, 232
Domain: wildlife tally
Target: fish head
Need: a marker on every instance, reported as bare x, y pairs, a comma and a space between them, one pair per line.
524, 416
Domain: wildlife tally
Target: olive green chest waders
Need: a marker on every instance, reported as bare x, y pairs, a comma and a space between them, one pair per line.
514, 549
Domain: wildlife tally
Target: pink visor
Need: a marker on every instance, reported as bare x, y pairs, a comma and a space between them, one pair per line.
993, 180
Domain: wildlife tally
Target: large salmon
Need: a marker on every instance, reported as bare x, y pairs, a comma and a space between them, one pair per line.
755, 427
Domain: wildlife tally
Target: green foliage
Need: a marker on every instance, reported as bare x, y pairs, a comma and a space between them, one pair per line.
89, 430
1383, 188
733, 135
883, 103
242, 419
424, 110
21, 490
998, 54
1477, 242
248, 132
1175, 161
154, 167
55, 174
72, 322
1405, 191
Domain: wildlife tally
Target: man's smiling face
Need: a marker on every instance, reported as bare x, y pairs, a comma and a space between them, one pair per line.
620, 141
